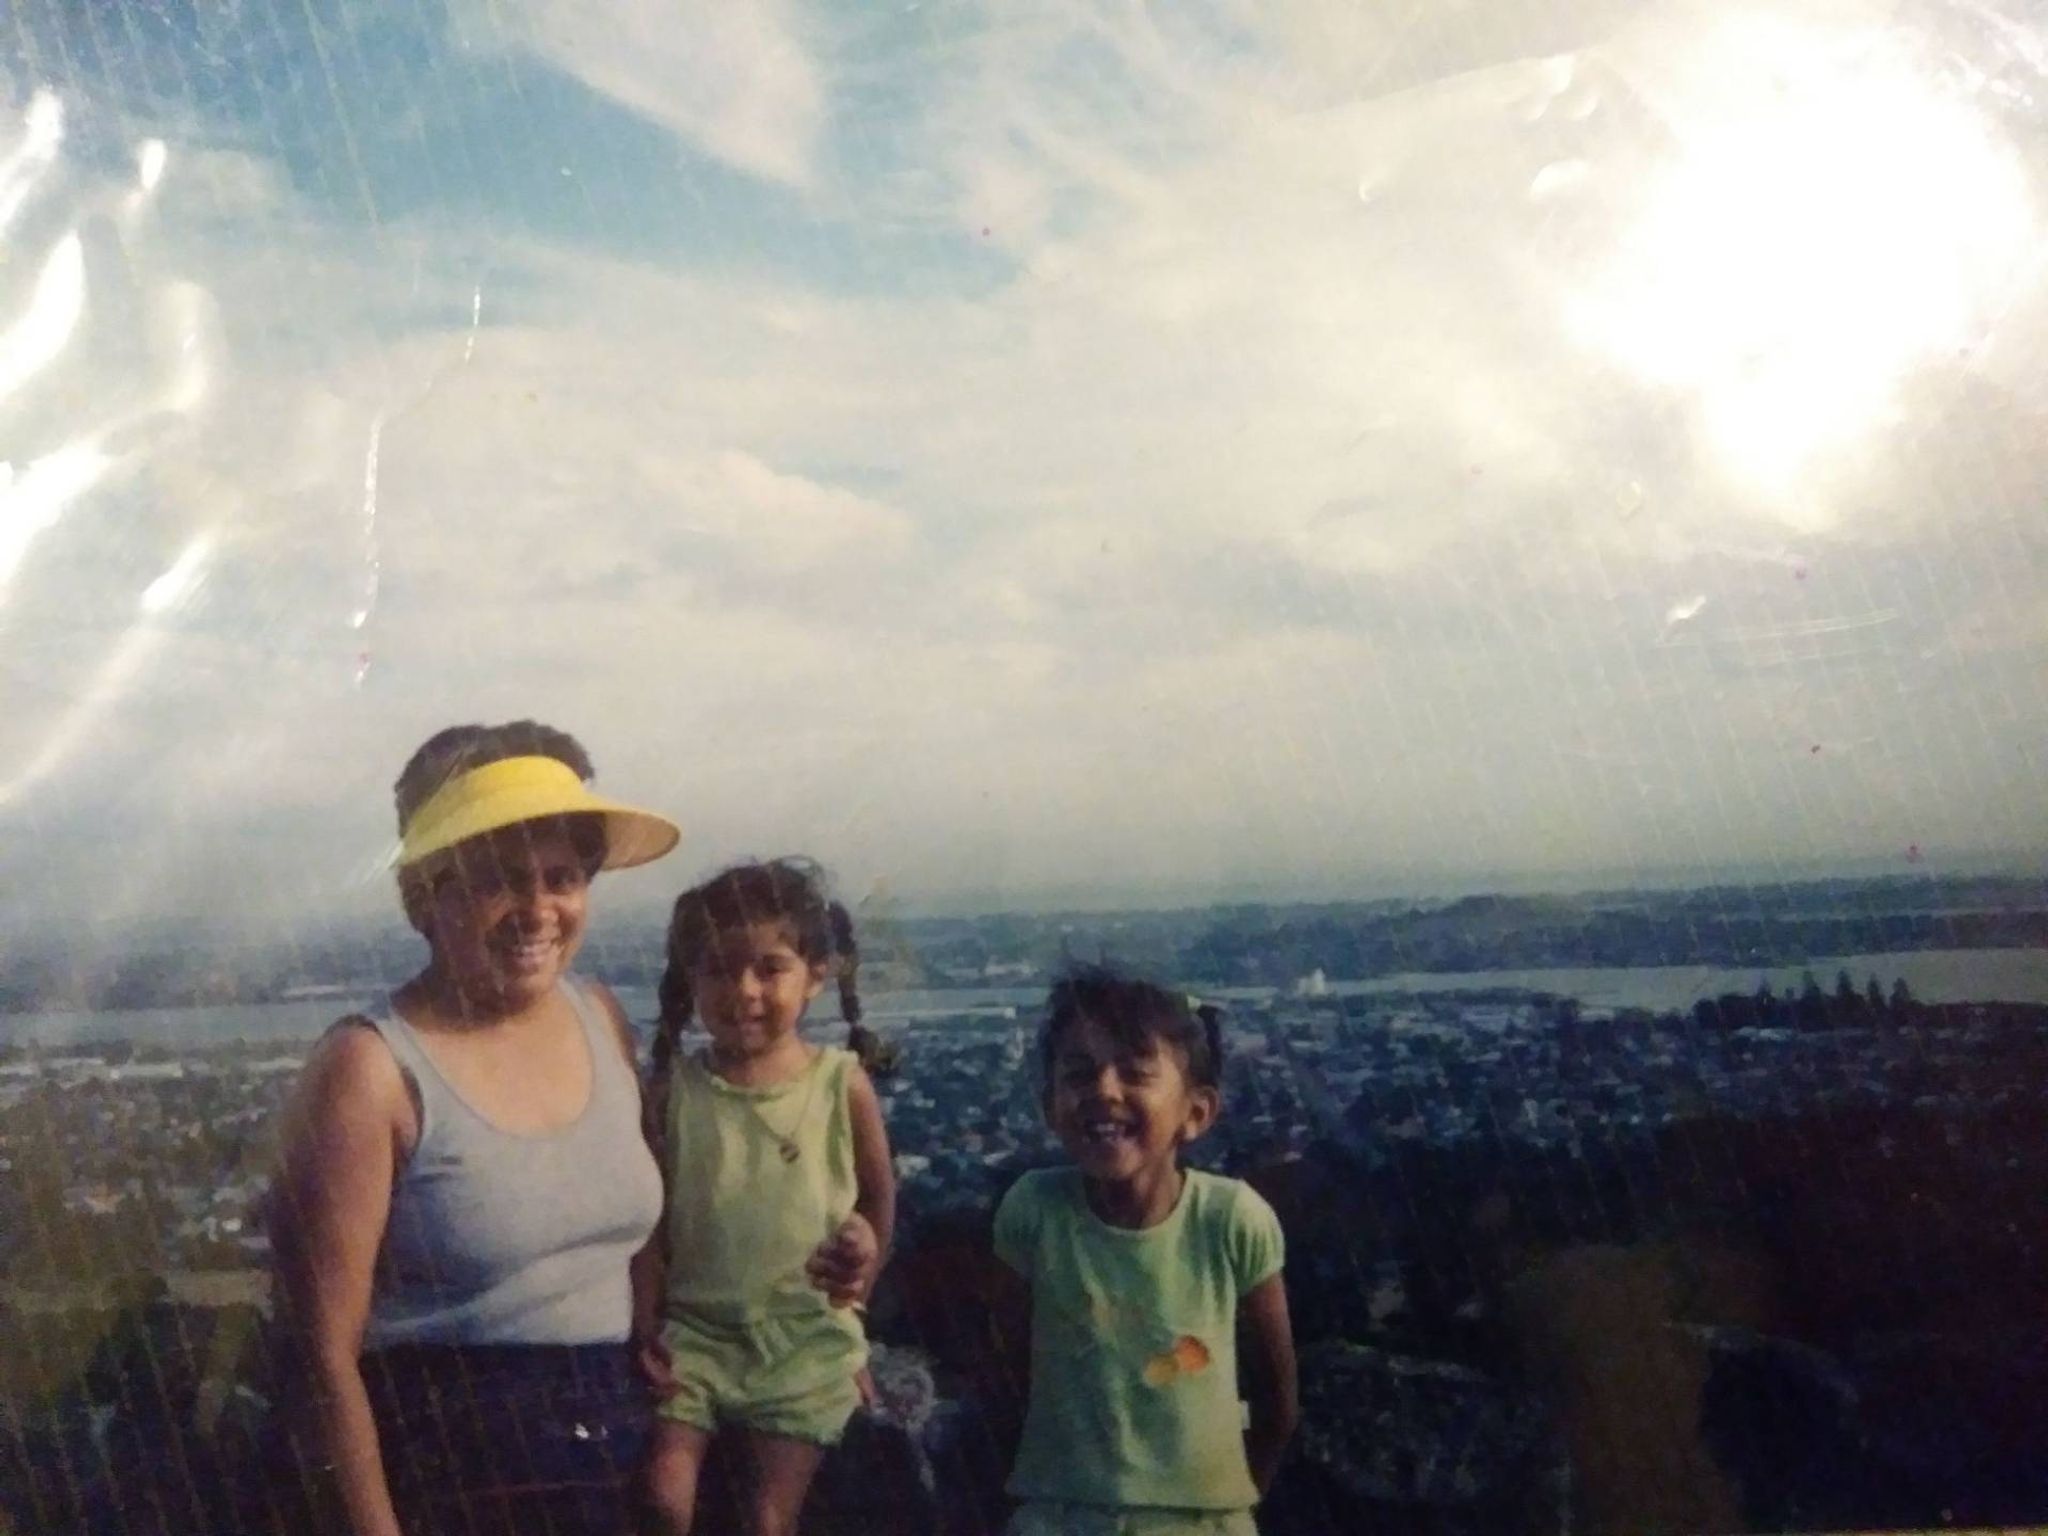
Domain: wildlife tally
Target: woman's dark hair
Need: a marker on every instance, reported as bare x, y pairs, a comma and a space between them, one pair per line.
792, 892
455, 751
1136, 1013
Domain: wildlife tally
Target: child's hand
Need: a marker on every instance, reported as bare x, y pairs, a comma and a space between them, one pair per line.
843, 1266
657, 1367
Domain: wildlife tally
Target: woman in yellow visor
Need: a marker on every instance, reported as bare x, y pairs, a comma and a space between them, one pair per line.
463, 1183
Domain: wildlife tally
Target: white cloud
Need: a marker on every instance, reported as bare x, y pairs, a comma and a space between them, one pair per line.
776, 520
736, 82
227, 183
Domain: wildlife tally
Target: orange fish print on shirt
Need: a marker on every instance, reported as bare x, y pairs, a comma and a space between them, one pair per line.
1188, 1357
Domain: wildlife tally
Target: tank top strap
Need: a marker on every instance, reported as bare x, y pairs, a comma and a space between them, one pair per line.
429, 1088
611, 1076
836, 1066
826, 1121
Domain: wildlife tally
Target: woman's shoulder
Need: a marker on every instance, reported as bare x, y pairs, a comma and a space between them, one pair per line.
597, 993
353, 1050
351, 1073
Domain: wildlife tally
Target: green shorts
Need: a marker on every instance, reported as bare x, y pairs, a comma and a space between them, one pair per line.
1050, 1517
789, 1376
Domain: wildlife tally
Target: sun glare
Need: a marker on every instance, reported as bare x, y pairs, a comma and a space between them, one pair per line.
1830, 218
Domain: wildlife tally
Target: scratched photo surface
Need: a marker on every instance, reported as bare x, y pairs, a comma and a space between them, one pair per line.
1505, 545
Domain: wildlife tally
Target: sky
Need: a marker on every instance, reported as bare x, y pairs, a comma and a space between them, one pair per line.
1022, 453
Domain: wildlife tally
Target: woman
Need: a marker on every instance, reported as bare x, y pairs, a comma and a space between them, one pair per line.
463, 1182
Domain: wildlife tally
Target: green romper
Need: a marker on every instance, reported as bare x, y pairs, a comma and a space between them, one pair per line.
758, 1177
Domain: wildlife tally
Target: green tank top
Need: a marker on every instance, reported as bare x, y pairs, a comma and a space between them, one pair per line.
758, 1177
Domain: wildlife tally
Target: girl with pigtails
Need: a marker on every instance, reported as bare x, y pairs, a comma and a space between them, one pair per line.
780, 1195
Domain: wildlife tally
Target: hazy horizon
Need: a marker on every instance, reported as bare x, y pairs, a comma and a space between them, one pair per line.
609, 913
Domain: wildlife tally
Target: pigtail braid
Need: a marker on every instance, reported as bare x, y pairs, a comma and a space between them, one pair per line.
846, 961
676, 1006
1210, 1017
861, 1040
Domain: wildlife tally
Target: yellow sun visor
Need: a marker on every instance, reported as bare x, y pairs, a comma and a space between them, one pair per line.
517, 789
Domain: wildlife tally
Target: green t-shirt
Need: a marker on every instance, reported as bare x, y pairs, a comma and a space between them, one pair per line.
1134, 1342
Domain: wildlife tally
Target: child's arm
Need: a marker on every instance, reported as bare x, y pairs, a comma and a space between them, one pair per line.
1268, 1337
845, 1265
873, 1167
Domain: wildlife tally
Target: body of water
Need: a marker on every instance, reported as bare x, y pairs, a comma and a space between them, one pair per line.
1934, 976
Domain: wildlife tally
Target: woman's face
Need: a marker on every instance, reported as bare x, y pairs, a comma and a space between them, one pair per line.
505, 915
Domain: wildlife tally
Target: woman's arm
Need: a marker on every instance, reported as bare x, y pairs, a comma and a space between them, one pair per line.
339, 1155
650, 1265
649, 1268
1272, 1394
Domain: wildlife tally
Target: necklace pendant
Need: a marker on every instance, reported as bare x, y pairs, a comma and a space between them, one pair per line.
790, 1151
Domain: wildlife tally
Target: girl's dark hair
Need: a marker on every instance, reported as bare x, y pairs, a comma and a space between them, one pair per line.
455, 751
1136, 1013
793, 892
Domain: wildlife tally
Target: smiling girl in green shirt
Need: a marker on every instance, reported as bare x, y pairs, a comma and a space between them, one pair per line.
1141, 1276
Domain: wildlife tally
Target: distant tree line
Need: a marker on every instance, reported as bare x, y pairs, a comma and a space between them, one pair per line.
1258, 946
1812, 1007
